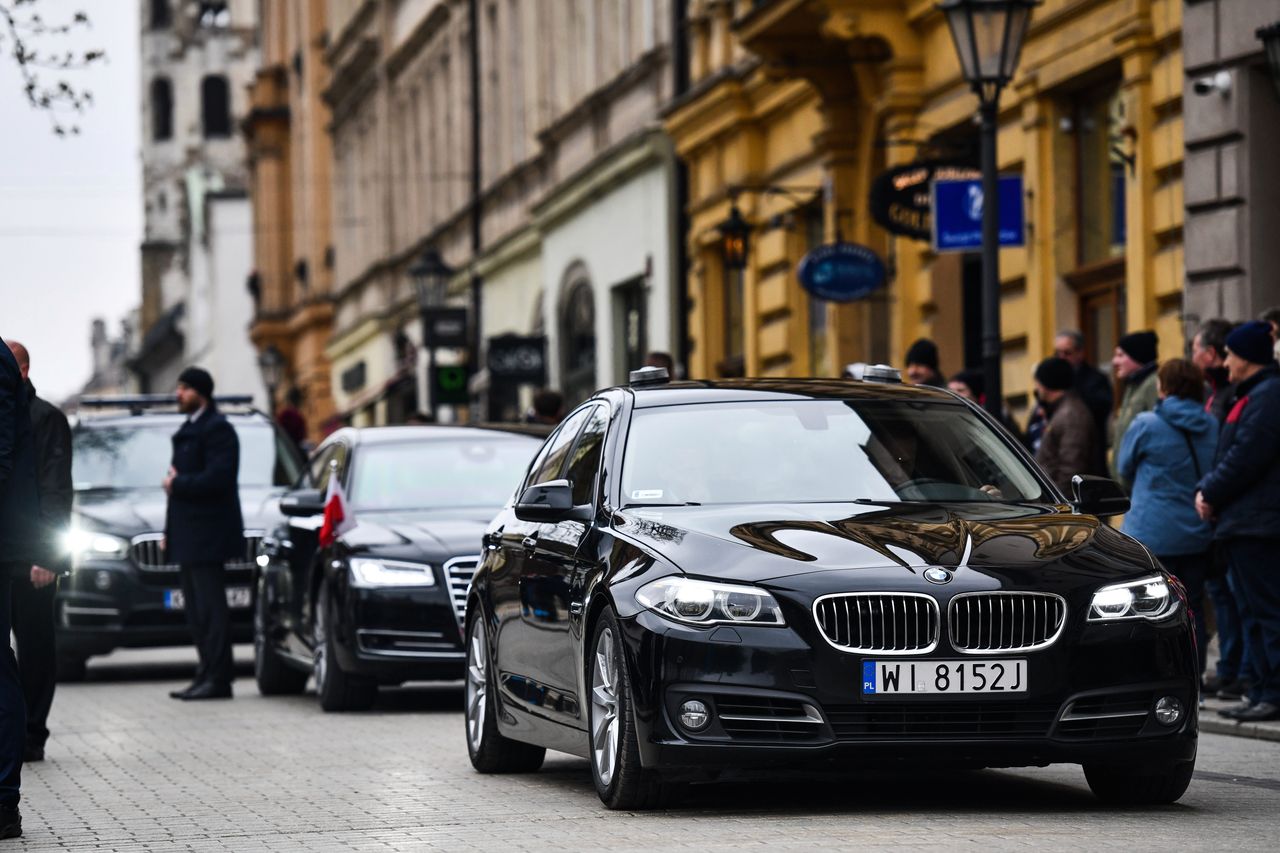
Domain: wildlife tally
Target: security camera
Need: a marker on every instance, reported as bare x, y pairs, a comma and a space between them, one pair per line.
1220, 83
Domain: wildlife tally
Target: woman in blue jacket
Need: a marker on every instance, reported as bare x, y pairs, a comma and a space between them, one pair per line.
1164, 454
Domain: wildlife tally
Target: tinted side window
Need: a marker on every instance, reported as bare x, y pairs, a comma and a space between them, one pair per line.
552, 458
584, 463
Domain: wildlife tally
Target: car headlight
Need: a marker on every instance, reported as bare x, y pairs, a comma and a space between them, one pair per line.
696, 602
87, 544
367, 572
1149, 598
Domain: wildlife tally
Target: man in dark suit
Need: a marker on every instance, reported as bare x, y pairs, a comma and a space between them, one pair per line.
204, 528
33, 621
19, 520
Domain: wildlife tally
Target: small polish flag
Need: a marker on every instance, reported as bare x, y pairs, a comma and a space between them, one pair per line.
337, 520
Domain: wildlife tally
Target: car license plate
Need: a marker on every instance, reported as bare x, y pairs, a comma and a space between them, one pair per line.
238, 598
920, 677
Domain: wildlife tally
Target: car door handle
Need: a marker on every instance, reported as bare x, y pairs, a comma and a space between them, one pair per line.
529, 542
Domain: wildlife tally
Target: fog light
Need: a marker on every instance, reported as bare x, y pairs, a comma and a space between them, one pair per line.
102, 580
694, 715
1168, 710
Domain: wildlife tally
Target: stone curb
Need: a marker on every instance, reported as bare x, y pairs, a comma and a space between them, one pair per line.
1212, 723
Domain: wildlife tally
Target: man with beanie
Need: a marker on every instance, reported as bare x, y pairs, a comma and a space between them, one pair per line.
922, 364
1242, 494
1069, 445
1134, 364
203, 528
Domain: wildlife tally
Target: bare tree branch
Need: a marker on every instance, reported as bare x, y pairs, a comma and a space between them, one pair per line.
21, 28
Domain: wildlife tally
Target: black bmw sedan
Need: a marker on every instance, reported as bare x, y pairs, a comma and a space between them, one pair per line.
847, 574
382, 604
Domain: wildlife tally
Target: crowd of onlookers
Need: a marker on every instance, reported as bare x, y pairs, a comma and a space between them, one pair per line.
1196, 442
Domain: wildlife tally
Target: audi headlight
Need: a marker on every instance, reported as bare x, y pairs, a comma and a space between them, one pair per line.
1149, 598
367, 572
696, 602
87, 544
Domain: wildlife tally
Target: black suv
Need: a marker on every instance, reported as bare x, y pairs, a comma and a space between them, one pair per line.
121, 592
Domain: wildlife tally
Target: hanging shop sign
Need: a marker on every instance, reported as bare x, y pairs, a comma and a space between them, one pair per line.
841, 272
957, 221
900, 197
518, 358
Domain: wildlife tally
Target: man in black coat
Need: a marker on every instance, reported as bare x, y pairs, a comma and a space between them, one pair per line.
33, 622
1242, 493
19, 509
204, 528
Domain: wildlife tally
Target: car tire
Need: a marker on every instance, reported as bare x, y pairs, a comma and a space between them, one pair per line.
614, 749
489, 750
1152, 784
72, 669
336, 690
275, 677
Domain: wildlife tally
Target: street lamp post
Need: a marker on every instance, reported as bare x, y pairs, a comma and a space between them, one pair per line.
271, 363
1270, 37
988, 35
430, 276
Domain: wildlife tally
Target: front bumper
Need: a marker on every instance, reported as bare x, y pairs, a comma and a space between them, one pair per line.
110, 604
399, 634
777, 698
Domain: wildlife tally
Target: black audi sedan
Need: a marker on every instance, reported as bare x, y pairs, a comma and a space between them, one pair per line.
382, 604
836, 573
123, 592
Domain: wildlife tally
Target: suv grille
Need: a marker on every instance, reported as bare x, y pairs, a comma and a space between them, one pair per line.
1005, 621
147, 554
459, 571
881, 623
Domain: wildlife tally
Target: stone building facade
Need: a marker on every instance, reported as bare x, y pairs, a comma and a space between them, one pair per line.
797, 106
1232, 121
565, 233
291, 174
197, 60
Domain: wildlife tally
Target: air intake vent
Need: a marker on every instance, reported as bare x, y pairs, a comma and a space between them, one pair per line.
149, 556
878, 623
459, 571
994, 622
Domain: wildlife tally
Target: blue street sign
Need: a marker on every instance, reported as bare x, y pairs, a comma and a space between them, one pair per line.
841, 272
957, 215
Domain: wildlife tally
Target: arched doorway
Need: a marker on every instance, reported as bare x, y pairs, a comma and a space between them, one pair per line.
578, 340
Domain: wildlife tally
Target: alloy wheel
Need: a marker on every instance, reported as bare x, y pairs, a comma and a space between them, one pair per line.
477, 686
604, 709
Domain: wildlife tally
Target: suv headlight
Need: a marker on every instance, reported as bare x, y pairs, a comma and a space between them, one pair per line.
1149, 598
367, 572
696, 602
87, 544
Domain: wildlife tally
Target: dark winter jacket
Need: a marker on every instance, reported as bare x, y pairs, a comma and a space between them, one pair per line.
19, 500
203, 523
1220, 393
1156, 458
1244, 486
52, 435
1069, 445
1094, 389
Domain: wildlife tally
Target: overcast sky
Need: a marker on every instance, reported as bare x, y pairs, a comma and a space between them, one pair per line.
71, 208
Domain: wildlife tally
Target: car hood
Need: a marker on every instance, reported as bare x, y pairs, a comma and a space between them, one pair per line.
1012, 544
128, 512
429, 533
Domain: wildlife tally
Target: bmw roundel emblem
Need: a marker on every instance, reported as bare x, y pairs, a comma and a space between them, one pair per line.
937, 575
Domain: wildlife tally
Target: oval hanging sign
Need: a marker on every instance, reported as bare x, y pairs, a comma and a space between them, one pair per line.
841, 272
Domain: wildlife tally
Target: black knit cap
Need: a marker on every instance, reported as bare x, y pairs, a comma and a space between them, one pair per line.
1140, 346
1252, 342
198, 380
1056, 374
923, 351
974, 379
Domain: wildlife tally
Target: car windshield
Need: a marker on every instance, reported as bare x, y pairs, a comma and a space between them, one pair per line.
137, 457
820, 451
439, 474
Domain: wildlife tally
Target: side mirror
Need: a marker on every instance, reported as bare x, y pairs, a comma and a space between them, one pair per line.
1098, 496
302, 503
548, 502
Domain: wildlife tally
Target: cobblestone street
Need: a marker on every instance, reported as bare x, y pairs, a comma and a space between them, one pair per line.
129, 769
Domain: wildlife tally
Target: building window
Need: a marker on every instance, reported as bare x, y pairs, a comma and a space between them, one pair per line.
215, 107
578, 342
735, 319
161, 19
161, 109
212, 14
630, 323
1097, 120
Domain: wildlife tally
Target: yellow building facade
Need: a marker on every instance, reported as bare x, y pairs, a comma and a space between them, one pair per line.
291, 161
796, 106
